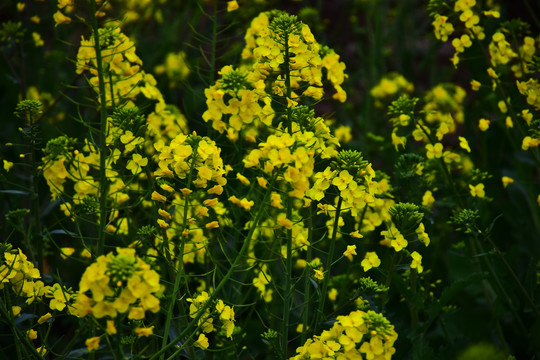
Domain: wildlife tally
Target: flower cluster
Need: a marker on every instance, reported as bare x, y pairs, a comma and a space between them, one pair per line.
217, 309
117, 284
358, 335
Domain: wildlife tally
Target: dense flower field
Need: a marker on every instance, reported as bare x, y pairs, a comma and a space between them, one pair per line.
259, 179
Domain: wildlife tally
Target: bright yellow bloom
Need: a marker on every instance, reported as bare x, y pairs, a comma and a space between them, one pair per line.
232, 5
111, 329
434, 151
351, 250
427, 199
475, 85
506, 180
92, 343
416, 262
141, 331
212, 225
371, 260
202, 341
158, 197
61, 19
332, 294
32, 334
318, 274
285, 223
483, 124
477, 190
44, 318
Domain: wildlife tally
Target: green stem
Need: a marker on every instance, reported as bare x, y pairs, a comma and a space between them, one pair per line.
245, 246
102, 136
180, 271
389, 279
326, 280
37, 236
307, 284
288, 272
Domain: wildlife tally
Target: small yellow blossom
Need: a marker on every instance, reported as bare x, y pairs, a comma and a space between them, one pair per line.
477, 190
356, 234
92, 343
16, 310
332, 294
32, 334
111, 329
61, 19
7, 165
427, 199
371, 260
142, 331
244, 180
351, 250
44, 318
434, 151
318, 274
285, 223
416, 262
464, 144
164, 214
232, 5
475, 85
158, 197
483, 124
509, 123
167, 188
66, 251
162, 223
506, 180
212, 225
202, 341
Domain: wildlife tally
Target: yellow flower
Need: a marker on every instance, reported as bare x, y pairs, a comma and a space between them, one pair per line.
212, 225
477, 190
111, 329
371, 260
66, 251
285, 223
141, 331
202, 341
232, 5
356, 234
61, 19
464, 144
427, 199
7, 165
506, 180
434, 151
92, 343
244, 180
44, 318
332, 294
158, 197
164, 214
475, 85
351, 250
167, 188
162, 223
32, 334
483, 124
416, 262
16, 310
318, 274
136, 163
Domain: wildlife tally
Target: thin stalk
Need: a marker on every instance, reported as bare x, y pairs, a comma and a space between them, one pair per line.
38, 239
288, 272
102, 136
180, 271
307, 285
214, 42
326, 280
389, 279
245, 246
